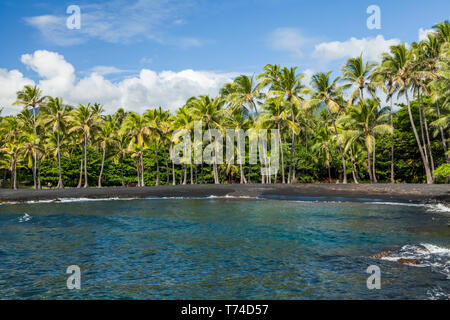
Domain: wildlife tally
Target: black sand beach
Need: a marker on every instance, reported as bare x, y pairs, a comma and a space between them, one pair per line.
386, 192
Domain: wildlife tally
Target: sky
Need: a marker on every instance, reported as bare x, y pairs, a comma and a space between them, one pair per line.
140, 54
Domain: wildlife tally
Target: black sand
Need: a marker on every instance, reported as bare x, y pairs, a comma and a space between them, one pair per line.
383, 192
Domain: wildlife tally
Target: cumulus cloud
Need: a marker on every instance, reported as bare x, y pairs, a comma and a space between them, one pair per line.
117, 21
148, 89
371, 48
423, 33
288, 39
11, 82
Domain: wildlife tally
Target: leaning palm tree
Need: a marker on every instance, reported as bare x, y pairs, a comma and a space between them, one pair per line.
31, 98
85, 120
329, 92
55, 115
400, 62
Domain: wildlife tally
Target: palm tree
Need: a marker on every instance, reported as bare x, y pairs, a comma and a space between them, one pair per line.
210, 112
12, 150
243, 93
329, 93
237, 119
363, 122
322, 146
55, 114
136, 126
400, 63
383, 77
84, 120
286, 83
278, 115
31, 98
106, 138
356, 73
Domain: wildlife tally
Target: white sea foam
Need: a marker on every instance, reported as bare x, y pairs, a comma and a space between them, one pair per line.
429, 255
26, 217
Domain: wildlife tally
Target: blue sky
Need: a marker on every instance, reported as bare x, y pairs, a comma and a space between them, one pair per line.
138, 54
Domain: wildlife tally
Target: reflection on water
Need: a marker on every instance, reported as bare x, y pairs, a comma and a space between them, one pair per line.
219, 249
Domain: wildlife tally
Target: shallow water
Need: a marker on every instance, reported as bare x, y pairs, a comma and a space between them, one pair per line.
222, 249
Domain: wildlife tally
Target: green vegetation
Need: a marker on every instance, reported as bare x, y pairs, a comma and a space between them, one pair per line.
324, 136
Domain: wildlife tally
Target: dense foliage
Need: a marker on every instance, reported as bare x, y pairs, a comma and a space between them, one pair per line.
325, 137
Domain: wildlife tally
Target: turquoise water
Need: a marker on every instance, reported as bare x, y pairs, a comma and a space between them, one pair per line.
221, 249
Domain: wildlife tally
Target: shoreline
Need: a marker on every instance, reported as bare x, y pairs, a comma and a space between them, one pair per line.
398, 192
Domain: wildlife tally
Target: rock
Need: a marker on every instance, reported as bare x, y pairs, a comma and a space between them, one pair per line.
380, 255
422, 248
410, 261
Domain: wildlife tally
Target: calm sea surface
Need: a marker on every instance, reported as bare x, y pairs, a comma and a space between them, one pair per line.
222, 249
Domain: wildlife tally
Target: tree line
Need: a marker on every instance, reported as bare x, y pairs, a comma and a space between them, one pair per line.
330, 129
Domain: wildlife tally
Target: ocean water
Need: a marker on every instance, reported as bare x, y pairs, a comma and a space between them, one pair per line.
223, 248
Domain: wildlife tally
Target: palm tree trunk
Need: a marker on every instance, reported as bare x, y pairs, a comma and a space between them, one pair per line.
157, 162
121, 173
427, 134
392, 142
34, 171
373, 164
422, 129
249, 173
353, 167
101, 168
80, 180
441, 129
369, 165
173, 165
167, 167
39, 172
291, 175
14, 180
201, 173
60, 183
283, 181
344, 165
138, 170
185, 174
142, 166
416, 135
36, 153
86, 183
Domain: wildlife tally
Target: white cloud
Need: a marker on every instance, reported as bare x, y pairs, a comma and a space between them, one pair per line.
117, 21
423, 33
371, 48
11, 82
168, 89
106, 70
288, 39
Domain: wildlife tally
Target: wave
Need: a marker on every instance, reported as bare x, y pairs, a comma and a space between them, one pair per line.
427, 255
